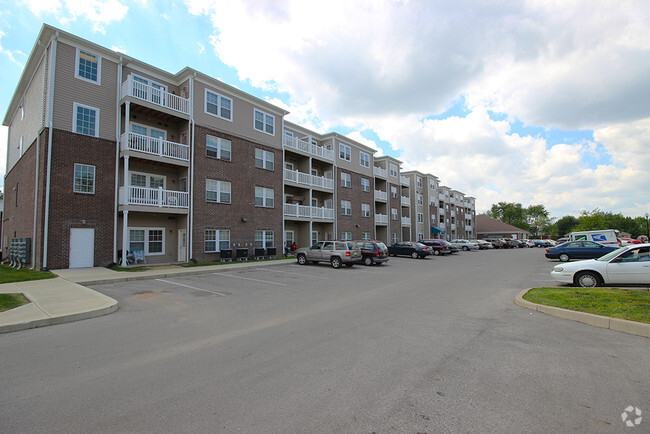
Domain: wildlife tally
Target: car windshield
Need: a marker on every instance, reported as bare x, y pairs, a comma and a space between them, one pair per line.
381, 246
612, 255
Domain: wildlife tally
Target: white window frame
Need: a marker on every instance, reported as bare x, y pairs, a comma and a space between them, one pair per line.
346, 180
364, 158
420, 199
346, 207
218, 148
147, 240
75, 108
267, 239
419, 181
98, 82
220, 189
219, 98
393, 192
393, 170
266, 194
267, 159
217, 239
346, 236
149, 176
420, 217
365, 186
395, 237
74, 180
265, 122
346, 151
149, 130
393, 214
365, 210
365, 236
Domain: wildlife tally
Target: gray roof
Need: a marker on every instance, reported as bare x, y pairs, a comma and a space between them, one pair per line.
487, 225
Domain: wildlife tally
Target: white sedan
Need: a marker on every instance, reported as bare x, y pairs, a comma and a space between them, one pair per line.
464, 244
628, 265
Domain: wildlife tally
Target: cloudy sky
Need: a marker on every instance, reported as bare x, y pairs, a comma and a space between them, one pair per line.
532, 101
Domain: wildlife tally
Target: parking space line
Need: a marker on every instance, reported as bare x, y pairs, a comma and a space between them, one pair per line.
191, 287
297, 274
248, 278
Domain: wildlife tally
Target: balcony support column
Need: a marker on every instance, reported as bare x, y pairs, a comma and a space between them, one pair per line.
125, 236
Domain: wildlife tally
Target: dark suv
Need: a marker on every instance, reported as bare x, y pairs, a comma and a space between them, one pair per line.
439, 247
373, 252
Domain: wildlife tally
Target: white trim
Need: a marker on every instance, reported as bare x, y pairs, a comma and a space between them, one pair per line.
75, 107
74, 178
361, 160
265, 159
149, 129
265, 196
348, 153
99, 67
219, 191
146, 240
217, 233
219, 97
264, 123
219, 147
148, 175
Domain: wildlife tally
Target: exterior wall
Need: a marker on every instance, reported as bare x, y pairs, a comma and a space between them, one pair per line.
243, 176
68, 90
169, 222
354, 223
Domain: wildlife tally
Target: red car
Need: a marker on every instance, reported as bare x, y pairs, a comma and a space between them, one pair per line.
437, 247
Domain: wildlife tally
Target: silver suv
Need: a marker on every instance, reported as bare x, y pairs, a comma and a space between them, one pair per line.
336, 253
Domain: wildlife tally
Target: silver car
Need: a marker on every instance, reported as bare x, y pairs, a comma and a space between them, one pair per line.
336, 253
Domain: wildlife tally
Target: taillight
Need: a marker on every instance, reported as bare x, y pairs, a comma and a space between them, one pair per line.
547, 250
347, 254
377, 254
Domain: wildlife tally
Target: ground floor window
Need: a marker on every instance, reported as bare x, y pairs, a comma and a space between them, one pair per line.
150, 240
394, 238
346, 236
264, 239
365, 236
216, 240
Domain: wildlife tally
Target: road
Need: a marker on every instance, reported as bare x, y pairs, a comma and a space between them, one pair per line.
410, 346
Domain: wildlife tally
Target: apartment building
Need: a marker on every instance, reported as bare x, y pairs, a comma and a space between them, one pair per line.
107, 154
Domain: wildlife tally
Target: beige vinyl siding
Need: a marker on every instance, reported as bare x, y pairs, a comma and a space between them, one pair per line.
30, 125
354, 164
69, 90
242, 117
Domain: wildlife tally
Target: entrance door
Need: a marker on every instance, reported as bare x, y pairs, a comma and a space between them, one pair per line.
82, 248
182, 245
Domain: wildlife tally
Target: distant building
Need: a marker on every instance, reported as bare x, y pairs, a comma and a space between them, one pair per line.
489, 227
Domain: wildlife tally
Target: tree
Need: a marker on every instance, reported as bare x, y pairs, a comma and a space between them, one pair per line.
538, 220
564, 226
511, 213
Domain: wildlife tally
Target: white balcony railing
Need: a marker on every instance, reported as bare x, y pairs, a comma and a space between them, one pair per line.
404, 180
381, 219
441, 196
381, 195
307, 179
453, 226
378, 171
129, 195
406, 201
310, 148
155, 95
406, 221
154, 146
304, 211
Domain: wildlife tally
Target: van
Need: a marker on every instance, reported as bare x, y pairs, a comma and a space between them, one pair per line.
605, 236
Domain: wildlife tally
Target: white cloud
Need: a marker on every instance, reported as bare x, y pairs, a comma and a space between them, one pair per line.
12, 54
98, 12
201, 47
118, 49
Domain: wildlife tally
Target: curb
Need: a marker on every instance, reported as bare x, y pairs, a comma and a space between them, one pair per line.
605, 322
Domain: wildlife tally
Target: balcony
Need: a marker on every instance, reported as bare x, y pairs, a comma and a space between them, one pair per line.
404, 180
308, 180
406, 201
154, 146
453, 226
309, 148
381, 219
155, 95
381, 195
378, 171
154, 197
304, 211
406, 221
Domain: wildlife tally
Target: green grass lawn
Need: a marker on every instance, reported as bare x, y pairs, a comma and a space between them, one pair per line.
612, 302
10, 301
8, 274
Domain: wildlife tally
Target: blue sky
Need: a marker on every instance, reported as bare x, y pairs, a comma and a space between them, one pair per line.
506, 102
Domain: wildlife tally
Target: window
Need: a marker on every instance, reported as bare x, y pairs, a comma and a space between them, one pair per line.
147, 180
346, 207
346, 180
442, 219
432, 184
218, 148
394, 237
264, 197
314, 237
218, 105
264, 239
393, 191
89, 67
420, 217
365, 236
365, 184
393, 170
344, 152
365, 210
420, 236
288, 238
264, 159
217, 191
364, 159
216, 240
264, 122
85, 120
420, 200
346, 236
419, 181
393, 213
151, 240
84, 178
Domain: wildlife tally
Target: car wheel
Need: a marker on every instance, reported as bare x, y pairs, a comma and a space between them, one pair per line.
465, 248
587, 279
336, 262
436, 252
302, 259
564, 257
349, 264
368, 261
414, 255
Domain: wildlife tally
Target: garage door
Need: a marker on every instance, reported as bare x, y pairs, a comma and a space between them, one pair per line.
82, 248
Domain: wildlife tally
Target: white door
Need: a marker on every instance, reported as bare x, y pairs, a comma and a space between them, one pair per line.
182, 245
82, 248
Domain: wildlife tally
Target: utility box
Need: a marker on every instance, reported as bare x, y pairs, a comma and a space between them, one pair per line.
20, 250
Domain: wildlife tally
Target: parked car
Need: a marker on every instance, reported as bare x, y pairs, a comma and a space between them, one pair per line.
482, 245
629, 265
528, 243
373, 252
452, 247
409, 248
497, 243
466, 245
437, 247
578, 250
337, 253
542, 243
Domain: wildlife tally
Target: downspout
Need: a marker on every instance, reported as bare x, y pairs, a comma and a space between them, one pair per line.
190, 229
50, 123
38, 158
118, 130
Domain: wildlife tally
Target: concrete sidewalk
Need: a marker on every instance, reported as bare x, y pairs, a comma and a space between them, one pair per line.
64, 299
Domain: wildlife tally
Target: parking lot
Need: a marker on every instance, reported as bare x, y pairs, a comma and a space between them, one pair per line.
414, 345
